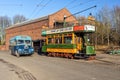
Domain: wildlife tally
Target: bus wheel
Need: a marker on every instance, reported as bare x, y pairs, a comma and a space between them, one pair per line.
17, 54
10, 51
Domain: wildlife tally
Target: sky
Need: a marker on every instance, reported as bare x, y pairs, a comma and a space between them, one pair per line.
38, 8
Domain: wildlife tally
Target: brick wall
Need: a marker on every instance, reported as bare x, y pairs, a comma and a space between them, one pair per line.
59, 16
2, 47
33, 29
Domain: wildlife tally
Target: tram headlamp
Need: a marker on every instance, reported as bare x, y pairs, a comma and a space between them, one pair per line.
77, 51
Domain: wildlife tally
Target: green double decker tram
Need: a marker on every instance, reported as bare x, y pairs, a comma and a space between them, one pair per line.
69, 42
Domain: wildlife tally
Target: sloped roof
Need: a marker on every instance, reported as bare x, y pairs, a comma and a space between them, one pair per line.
34, 20
28, 22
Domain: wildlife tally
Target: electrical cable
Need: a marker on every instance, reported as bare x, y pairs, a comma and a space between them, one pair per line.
70, 3
81, 4
81, 11
11, 5
36, 7
43, 7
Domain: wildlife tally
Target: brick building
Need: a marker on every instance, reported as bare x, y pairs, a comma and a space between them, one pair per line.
33, 27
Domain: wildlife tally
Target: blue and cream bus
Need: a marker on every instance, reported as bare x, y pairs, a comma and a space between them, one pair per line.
21, 45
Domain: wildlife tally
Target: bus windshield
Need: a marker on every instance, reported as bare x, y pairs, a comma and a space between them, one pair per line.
20, 42
27, 41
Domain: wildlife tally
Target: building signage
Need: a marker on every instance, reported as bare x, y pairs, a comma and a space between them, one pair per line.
84, 28
61, 30
78, 28
89, 28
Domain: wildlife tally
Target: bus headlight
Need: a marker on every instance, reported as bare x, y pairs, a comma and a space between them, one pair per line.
31, 50
19, 50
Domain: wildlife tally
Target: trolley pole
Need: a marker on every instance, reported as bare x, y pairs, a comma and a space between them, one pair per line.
64, 24
76, 13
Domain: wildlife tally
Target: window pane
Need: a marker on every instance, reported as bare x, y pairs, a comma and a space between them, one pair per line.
27, 41
20, 41
68, 40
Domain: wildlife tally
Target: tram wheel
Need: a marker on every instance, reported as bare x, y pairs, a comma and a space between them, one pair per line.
71, 56
91, 58
49, 54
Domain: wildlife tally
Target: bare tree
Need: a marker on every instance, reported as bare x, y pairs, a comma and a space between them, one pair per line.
104, 17
18, 19
109, 28
5, 22
116, 17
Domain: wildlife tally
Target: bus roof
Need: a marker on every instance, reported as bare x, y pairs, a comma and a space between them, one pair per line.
21, 37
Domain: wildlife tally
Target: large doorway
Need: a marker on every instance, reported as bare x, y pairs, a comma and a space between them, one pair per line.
37, 44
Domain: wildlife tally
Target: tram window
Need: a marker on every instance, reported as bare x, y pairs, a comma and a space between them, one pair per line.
58, 40
49, 40
58, 24
68, 40
78, 39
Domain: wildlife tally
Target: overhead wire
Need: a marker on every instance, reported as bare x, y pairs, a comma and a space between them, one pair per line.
81, 4
11, 5
42, 8
37, 5
49, 1
71, 2
64, 6
82, 11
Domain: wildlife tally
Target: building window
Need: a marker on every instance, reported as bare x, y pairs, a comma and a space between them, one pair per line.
58, 24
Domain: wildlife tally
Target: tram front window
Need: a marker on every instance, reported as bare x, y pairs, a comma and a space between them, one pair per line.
89, 39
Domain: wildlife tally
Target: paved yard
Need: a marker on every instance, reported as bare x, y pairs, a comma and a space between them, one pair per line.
37, 67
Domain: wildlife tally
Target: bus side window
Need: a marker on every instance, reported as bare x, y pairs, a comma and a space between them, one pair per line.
12, 43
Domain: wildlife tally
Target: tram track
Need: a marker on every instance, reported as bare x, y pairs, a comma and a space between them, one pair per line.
104, 62
21, 73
